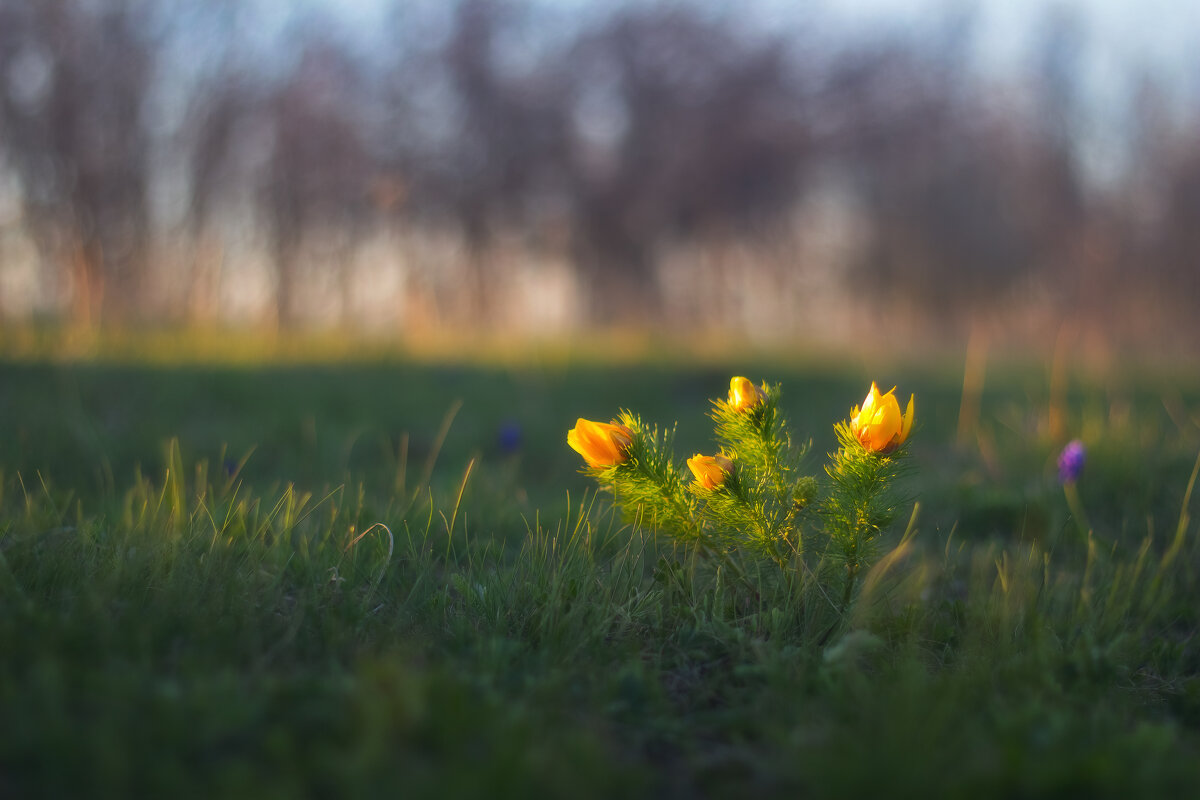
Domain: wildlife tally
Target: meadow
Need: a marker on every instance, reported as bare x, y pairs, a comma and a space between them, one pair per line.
384, 575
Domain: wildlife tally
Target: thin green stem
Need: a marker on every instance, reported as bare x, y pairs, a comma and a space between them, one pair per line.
1077, 510
851, 577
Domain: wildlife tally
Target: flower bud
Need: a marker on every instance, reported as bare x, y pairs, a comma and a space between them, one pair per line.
600, 443
710, 471
878, 425
744, 395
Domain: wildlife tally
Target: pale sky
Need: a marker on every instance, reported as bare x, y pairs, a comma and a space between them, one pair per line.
1163, 35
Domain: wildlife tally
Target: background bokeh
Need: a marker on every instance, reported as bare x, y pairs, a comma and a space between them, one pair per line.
771, 171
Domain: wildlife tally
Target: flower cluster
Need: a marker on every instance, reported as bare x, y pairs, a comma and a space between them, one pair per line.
749, 499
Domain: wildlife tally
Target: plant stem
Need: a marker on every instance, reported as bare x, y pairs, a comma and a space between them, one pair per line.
851, 576
1076, 506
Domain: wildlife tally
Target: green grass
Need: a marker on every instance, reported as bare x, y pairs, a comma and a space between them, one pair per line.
337, 578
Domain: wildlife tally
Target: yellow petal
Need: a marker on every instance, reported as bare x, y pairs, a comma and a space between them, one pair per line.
601, 444
907, 422
872, 399
886, 425
878, 424
710, 471
744, 395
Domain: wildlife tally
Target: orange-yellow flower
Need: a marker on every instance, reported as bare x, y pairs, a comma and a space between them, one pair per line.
600, 443
878, 424
710, 471
744, 395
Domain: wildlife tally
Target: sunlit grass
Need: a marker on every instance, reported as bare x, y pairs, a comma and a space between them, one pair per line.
219, 581
266, 345
249, 640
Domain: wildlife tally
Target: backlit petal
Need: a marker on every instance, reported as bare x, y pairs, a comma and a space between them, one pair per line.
601, 444
907, 423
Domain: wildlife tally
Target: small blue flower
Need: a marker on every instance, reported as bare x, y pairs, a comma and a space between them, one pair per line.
508, 438
1070, 461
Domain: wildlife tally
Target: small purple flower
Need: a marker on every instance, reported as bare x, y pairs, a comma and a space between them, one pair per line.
1070, 461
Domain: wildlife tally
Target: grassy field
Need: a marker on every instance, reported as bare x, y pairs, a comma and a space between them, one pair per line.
385, 576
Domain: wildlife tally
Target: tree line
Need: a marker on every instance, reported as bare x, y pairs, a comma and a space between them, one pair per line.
665, 161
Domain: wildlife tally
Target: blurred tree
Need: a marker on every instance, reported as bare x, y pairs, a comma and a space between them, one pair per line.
73, 129
211, 142
707, 134
511, 141
1177, 250
963, 196
318, 173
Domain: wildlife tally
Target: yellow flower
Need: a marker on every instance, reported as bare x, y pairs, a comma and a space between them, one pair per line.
710, 471
879, 424
600, 443
744, 395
